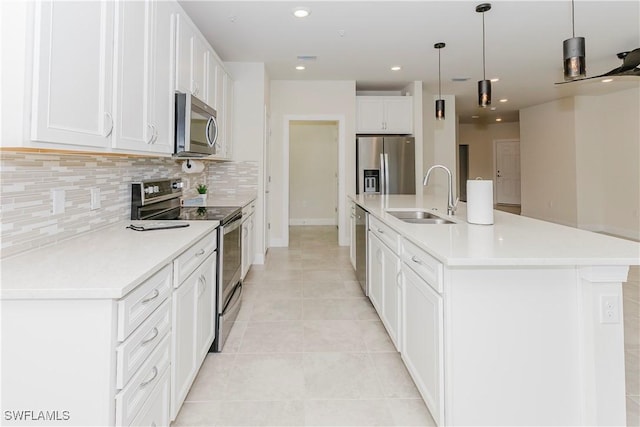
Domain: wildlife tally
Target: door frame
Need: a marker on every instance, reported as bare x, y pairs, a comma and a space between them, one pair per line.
342, 195
494, 160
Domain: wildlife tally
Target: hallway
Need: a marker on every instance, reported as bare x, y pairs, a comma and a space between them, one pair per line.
308, 349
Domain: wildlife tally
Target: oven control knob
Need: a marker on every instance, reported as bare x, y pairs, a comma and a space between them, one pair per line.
156, 189
176, 185
148, 190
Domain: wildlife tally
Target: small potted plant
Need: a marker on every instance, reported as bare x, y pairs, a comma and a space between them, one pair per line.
202, 192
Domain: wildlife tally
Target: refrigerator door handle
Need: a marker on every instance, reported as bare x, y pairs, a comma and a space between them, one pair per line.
386, 172
383, 174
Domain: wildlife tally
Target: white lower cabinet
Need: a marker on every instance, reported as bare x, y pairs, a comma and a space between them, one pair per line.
352, 234
422, 341
384, 285
193, 321
248, 235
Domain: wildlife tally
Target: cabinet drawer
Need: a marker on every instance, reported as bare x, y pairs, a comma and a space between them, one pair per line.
131, 399
427, 267
132, 353
190, 259
134, 308
385, 233
155, 411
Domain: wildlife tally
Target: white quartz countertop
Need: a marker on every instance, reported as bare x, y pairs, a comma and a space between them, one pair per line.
107, 263
512, 240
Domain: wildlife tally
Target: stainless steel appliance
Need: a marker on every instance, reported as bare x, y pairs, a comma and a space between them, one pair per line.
385, 165
160, 200
362, 225
196, 127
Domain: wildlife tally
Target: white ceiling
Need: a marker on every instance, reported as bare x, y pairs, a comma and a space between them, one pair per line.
361, 40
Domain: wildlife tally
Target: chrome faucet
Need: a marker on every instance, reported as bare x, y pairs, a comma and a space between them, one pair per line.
451, 204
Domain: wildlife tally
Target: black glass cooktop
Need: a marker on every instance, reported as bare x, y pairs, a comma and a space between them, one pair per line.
213, 213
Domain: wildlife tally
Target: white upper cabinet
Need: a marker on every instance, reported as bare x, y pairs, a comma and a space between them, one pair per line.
72, 74
191, 59
384, 114
143, 69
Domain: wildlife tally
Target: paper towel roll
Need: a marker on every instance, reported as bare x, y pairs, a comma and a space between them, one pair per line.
480, 201
192, 166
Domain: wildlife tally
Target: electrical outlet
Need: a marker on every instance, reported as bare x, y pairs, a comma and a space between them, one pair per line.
95, 199
57, 201
609, 309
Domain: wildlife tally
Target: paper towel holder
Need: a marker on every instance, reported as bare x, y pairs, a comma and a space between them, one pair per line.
188, 164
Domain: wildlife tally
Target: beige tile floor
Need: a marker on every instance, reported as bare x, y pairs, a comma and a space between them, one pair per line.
309, 349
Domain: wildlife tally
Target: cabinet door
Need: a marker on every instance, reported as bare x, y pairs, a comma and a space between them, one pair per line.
245, 249
133, 64
198, 66
375, 265
370, 115
185, 319
252, 236
398, 115
206, 306
211, 87
72, 73
183, 54
422, 342
163, 97
227, 123
391, 294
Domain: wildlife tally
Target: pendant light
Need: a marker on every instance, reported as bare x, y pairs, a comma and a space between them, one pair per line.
484, 85
575, 64
440, 101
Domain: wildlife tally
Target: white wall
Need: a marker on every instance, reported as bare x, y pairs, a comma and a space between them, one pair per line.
444, 148
313, 173
310, 98
251, 97
580, 162
479, 137
415, 90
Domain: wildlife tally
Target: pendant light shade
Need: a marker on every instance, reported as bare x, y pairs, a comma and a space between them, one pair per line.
573, 52
440, 101
484, 93
484, 85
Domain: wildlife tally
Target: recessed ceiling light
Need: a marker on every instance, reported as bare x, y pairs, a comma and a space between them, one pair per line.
607, 80
504, 100
459, 79
396, 68
495, 80
475, 117
493, 108
498, 119
300, 67
301, 12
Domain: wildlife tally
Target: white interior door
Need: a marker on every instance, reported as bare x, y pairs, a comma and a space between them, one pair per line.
507, 172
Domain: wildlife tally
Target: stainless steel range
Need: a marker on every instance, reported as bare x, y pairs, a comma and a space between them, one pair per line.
160, 200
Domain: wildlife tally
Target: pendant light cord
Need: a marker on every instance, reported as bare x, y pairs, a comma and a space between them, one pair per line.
439, 80
573, 20
484, 77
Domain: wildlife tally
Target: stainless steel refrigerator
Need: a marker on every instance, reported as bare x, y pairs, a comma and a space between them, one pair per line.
385, 165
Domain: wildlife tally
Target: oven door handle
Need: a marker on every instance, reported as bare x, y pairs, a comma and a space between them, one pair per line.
234, 298
233, 224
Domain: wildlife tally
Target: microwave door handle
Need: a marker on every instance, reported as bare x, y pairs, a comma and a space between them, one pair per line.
215, 137
207, 128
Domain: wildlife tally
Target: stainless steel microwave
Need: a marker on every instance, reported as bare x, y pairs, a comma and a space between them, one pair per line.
196, 127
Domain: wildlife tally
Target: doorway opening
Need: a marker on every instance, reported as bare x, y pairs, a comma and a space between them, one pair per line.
463, 171
313, 172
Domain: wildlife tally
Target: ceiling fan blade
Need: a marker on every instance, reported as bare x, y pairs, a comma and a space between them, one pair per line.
630, 67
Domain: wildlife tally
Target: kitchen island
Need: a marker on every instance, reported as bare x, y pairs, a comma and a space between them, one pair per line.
515, 323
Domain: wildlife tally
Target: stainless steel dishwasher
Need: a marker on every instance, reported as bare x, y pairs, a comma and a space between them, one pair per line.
362, 225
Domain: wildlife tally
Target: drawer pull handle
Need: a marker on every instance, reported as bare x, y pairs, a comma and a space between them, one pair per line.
156, 294
200, 252
416, 260
380, 230
153, 377
154, 335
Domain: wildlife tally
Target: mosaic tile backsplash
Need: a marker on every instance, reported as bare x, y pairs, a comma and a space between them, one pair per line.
27, 181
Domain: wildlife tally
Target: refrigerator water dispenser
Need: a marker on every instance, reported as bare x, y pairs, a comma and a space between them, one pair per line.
372, 180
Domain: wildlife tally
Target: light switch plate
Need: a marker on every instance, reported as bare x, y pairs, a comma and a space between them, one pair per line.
57, 201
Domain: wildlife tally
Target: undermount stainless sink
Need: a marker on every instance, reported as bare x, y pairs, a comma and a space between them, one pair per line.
419, 217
